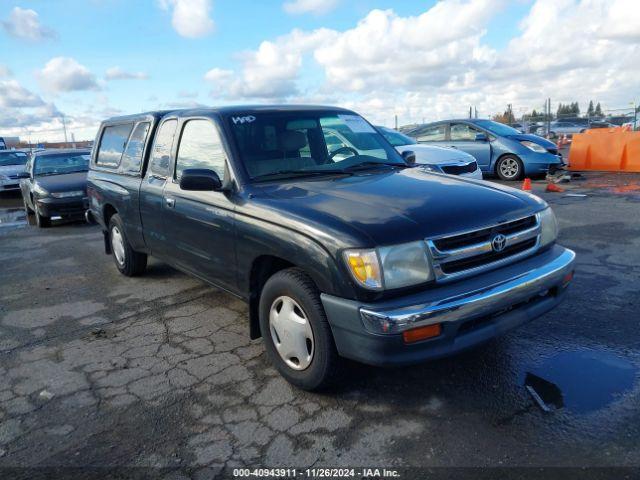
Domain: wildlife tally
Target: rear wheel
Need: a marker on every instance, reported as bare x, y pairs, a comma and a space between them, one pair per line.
127, 260
296, 332
510, 168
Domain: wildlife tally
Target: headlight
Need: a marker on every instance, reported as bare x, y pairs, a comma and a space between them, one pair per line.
548, 227
429, 167
390, 267
534, 146
40, 191
75, 193
404, 265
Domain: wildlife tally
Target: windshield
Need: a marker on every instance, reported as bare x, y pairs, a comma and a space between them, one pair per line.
12, 158
496, 128
61, 163
293, 144
395, 138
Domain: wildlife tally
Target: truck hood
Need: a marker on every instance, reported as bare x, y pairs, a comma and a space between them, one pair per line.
63, 183
390, 207
532, 138
435, 155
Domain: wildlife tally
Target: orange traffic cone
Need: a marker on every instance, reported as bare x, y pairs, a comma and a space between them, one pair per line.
526, 185
552, 187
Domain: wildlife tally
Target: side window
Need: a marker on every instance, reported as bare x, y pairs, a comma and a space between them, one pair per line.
463, 132
161, 155
132, 158
112, 145
434, 133
200, 147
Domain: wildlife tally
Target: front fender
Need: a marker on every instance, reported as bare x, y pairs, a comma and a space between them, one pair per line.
257, 238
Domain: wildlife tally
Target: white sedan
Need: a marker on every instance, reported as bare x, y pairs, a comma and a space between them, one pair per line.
440, 159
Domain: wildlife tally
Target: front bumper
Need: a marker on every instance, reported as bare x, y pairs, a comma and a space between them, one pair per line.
9, 185
476, 175
470, 311
540, 162
62, 207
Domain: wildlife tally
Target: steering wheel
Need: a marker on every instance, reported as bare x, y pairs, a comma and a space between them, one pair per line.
341, 149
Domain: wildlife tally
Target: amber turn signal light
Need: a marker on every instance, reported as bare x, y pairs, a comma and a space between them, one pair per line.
422, 333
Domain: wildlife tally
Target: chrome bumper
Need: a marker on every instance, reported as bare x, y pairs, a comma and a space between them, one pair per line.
486, 301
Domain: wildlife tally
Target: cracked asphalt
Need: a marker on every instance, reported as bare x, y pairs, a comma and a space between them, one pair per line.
100, 370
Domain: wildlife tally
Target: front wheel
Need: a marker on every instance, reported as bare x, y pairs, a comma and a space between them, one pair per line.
296, 332
128, 261
510, 168
41, 220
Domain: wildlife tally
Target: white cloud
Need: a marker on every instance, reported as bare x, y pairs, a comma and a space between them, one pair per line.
24, 24
117, 73
437, 64
64, 74
4, 71
14, 95
318, 7
190, 18
270, 71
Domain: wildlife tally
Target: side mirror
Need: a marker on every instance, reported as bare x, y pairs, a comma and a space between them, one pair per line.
481, 137
409, 157
23, 175
200, 179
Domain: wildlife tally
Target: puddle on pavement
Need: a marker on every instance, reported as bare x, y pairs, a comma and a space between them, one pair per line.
581, 381
13, 217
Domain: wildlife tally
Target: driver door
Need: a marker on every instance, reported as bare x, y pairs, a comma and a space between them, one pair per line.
200, 225
463, 137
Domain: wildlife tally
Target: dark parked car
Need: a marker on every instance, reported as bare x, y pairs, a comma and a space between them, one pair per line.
55, 184
367, 256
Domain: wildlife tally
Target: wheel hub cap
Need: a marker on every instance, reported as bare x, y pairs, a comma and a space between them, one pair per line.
291, 333
117, 245
509, 168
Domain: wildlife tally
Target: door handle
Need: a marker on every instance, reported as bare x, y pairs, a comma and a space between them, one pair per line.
171, 202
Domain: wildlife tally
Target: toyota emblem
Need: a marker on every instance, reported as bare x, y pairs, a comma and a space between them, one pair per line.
499, 242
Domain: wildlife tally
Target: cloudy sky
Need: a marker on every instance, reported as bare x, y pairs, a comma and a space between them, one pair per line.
418, 59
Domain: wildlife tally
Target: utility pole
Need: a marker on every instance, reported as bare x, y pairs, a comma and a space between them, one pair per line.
64, 127
476, 111
396, 122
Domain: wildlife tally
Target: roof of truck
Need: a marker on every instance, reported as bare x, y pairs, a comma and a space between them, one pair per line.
231, 109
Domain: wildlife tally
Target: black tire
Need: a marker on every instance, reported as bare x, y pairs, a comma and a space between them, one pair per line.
325, 367
41, 220
27, 210
132, 263
510, 168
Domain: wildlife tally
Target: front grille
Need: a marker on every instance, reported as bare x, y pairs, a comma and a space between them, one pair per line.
472, 252
479, 260
484, 235
460, 169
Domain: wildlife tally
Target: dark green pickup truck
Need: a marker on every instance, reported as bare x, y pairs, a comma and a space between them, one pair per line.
351, 252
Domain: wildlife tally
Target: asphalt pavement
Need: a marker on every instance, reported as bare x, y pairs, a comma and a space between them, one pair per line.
100, 370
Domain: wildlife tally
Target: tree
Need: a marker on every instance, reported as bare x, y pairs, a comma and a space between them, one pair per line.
598, 112
506, 117
590, 110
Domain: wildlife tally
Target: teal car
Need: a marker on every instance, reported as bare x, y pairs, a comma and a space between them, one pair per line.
498, 148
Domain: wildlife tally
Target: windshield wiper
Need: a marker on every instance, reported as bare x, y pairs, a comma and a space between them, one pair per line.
369, 164
298, 173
